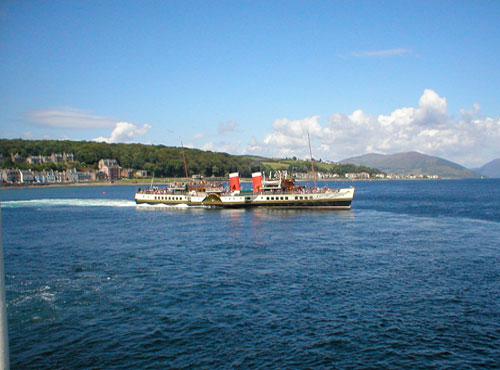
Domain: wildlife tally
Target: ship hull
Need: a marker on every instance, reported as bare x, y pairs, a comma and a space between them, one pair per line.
337, 199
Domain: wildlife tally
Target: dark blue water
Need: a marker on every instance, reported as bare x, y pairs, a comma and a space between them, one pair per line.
409, 278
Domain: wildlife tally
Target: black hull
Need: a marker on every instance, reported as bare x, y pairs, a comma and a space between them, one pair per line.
338, 204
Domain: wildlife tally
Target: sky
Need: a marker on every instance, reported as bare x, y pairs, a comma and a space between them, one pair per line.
254, 77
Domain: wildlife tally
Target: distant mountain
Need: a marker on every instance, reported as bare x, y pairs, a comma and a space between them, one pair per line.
413, 163
490, 169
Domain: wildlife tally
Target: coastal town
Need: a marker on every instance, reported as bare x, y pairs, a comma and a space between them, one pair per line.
365, 176
109, 170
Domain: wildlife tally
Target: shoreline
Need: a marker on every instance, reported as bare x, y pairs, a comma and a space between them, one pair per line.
171, 180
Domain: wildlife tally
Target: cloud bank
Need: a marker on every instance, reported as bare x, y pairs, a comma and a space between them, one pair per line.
124, 132
471, 139
67, 118
380, 53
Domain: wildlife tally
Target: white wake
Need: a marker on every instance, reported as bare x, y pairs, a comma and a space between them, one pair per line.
75, 202
38, 203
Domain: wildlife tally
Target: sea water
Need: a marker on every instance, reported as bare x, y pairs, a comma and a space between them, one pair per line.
409, 278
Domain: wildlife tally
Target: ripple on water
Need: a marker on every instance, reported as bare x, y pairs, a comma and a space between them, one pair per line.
111, 287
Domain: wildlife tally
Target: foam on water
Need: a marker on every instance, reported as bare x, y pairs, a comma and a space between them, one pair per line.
37, 203
145, 205
42, 203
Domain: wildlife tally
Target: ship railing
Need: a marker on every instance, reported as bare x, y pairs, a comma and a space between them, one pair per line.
301, 190
162, 191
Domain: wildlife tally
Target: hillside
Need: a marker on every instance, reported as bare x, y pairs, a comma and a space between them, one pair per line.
490, 169
413, 163
161, 160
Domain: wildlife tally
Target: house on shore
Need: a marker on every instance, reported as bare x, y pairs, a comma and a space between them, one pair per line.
10, 176
56, 157
26, 177
110, 167
141, 173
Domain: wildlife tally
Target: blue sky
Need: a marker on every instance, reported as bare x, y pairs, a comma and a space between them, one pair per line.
254, 77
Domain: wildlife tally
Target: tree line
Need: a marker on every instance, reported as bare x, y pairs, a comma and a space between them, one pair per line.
163, 161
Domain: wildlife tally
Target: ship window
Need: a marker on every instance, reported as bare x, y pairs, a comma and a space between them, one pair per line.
286, 198
248, 198
296, 198
267, 198
281, 198
300, 198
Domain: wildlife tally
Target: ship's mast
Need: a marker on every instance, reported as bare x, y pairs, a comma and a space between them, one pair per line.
312, 161
184, 160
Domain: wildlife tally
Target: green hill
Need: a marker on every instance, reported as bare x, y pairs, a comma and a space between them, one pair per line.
161, 160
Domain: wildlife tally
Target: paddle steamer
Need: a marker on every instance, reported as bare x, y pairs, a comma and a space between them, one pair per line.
278, 193
281, 192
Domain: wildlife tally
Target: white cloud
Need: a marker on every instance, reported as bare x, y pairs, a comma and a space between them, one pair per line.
199, 135
224, 147
470, 140
208, 146
290, 135
67, 118
381, 53
226, 127
125, 132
